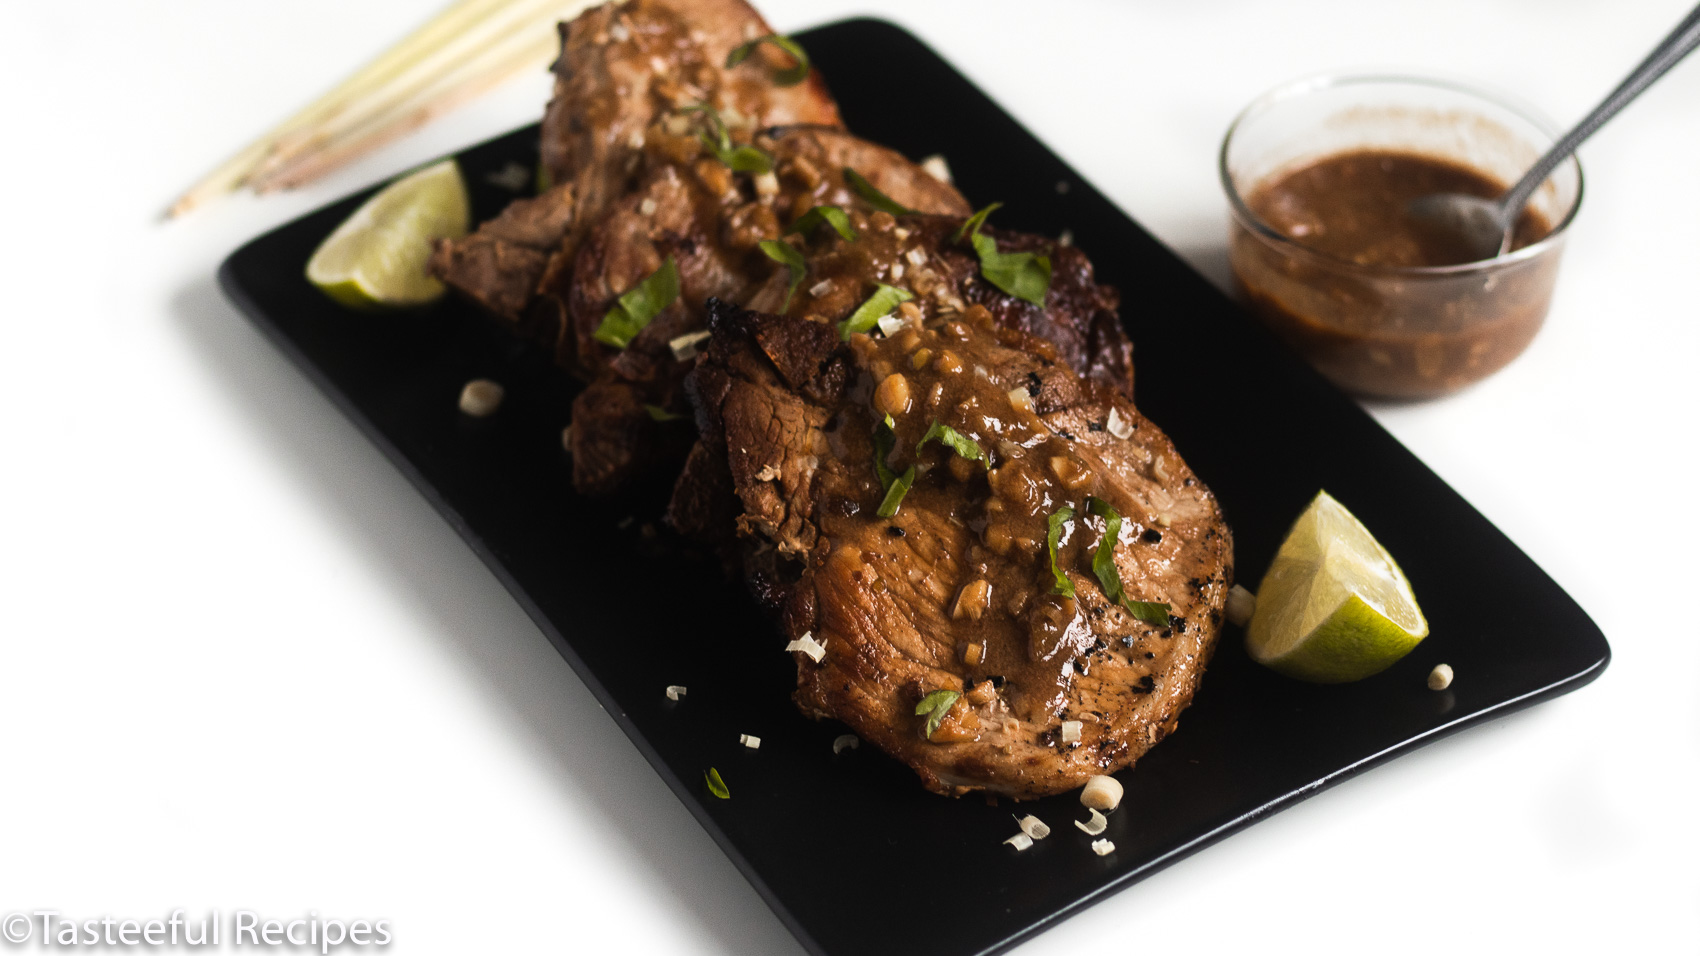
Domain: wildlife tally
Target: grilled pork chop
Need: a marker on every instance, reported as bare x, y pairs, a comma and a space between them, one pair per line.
691, 208
1077, 326
621, 66
955, 591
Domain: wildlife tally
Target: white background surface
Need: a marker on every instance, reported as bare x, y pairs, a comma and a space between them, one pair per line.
245, 665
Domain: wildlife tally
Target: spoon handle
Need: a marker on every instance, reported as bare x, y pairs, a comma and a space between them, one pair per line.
1678, 44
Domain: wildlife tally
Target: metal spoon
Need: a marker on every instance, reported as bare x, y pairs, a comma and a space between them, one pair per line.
1483, 227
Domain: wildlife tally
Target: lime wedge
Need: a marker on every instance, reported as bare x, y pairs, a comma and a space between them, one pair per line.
376, 259
1334, 606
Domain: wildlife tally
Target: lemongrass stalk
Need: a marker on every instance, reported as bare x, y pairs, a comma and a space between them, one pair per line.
425, 72
231, 174
406, 116
520, 47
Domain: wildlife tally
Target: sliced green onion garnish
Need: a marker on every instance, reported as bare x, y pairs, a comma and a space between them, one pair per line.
895, 485
880, 304
659, 414
894, 495
861, 187
885, 439
716, 785
1151, 612
950, 437
971, 225
838, 218
1058, 518
1025, 275
935, 705
742, 159
639, 306
786, 255
1110, 577
787, 77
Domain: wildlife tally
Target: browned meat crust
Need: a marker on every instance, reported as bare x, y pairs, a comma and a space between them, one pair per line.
1078, 325
690, 207
954, 592
621, 67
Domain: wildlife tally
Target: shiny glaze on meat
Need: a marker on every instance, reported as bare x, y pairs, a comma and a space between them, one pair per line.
689, 206
954, 592
622, 66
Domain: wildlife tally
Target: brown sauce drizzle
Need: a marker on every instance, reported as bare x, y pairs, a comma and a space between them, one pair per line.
980, 524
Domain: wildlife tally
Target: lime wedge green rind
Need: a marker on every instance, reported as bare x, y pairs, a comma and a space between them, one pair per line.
377, 258
1334, 606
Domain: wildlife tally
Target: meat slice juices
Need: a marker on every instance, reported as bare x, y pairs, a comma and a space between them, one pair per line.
1016, 579
953, 589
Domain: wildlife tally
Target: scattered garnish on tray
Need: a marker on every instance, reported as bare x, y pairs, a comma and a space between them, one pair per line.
377, 257
1334, 606
716, 785
481, 397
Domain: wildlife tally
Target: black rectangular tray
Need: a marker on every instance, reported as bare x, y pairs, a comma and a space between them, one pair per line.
848, 850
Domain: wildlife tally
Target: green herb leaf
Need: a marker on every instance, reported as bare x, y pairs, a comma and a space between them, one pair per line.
878, 306
861, 187
787, 77
895, 485
746, 159
1110, 577
838, 218
1151, 612
1025, 275
955, 440
659, 414
786, 255
936, 705
971, 225
639, 306
885, 439
716, 785
900, 486
1104, 561
1053, 535
742, 159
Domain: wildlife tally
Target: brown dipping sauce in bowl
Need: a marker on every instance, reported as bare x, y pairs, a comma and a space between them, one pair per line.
1319, 174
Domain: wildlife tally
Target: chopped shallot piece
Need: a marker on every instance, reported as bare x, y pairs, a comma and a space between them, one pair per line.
685, 346
845, 742
821, 288
1103, 847
480, 397
1242, 604
808, 645
1021, 398
1033, 827
890, 325
1071, 731
1020, 841
1101, 793
675, 691
750, 741
1095, 825
936, 167
1119, 426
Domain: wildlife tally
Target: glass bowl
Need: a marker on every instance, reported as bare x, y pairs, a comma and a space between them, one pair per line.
1403, 332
